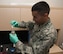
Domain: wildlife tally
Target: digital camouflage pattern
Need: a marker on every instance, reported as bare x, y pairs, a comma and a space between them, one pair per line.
42, 38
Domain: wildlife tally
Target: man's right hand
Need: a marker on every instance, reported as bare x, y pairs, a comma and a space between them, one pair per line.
13, 37
14, 23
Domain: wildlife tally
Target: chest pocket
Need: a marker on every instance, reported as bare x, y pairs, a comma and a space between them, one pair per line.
37, 36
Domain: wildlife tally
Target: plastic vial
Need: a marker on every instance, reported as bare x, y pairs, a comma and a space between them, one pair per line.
12, 31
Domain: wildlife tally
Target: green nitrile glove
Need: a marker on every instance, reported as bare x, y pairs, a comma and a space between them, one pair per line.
13, 38
14, 23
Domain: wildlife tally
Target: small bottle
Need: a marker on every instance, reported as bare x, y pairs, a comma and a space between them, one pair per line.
7, 50
1, 48
12, 31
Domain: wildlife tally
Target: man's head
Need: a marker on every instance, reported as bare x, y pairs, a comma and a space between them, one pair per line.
40, 12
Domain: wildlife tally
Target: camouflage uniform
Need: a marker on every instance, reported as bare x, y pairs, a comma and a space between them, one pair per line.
42, 38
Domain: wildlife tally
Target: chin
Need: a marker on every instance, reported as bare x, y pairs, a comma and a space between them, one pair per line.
37, 23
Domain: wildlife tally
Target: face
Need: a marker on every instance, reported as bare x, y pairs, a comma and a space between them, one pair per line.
38, 18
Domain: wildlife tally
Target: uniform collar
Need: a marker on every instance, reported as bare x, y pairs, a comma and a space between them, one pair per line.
48, 21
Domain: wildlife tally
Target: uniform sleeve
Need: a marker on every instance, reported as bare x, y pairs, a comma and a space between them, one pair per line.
44, 44
28, 25
23, 48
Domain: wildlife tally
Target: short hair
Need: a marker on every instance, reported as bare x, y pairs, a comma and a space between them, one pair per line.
41, 7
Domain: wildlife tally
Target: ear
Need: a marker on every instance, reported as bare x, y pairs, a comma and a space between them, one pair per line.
46, 14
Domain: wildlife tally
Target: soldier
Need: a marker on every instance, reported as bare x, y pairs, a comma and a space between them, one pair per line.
42, 33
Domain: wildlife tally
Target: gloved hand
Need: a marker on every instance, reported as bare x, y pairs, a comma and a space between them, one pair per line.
13, 38
14, 23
